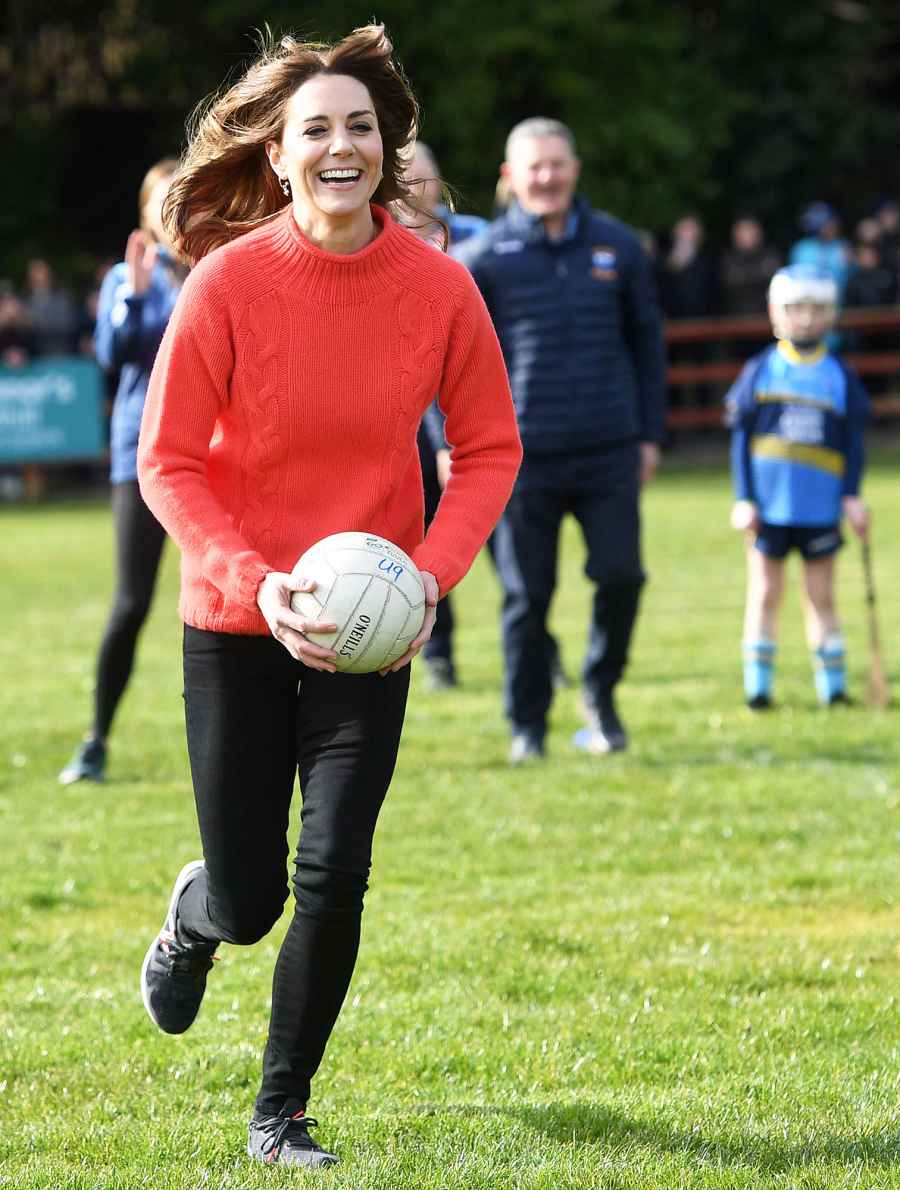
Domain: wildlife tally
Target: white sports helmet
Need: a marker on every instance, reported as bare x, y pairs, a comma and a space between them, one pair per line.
802, 283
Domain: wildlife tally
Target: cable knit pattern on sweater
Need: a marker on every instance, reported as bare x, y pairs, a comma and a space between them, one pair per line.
284, 405
263, 346
416, 344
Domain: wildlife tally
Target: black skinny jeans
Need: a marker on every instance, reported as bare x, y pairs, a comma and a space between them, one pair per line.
255, 717
139, 543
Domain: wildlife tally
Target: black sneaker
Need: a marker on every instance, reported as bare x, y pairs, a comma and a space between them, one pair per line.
605, 730
87, 764
527, 744
173, 977
840, 699
760, 702
440, 674
284, 1140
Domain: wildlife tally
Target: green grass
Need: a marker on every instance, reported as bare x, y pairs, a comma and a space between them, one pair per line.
672, 968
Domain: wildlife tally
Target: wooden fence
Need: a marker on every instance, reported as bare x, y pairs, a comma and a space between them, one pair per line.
718, 336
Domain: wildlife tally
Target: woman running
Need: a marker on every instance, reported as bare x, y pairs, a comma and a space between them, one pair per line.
308, 341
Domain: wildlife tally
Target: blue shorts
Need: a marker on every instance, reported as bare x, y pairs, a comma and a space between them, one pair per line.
812, 541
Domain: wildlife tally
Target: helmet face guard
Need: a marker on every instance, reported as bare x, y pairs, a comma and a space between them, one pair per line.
802, 304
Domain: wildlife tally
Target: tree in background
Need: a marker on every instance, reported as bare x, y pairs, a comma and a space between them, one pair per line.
811, 91
676, 105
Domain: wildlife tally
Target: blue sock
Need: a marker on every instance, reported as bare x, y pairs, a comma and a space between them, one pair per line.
759, 667
829, 661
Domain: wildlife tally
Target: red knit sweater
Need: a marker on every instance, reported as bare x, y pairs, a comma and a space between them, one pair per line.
285, 401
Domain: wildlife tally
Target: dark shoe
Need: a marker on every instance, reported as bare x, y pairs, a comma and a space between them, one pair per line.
440, 674
605, 730
760, 702
527, 744
284, 1140
840, 699
173, 977
87, 764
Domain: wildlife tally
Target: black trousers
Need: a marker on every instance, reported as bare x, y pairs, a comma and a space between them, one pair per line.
440, 644
139, 544
255, 717
601, 490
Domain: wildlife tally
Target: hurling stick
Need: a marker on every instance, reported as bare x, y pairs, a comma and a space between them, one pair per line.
878, 692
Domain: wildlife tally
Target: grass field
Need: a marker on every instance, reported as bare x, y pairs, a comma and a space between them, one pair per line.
673, 968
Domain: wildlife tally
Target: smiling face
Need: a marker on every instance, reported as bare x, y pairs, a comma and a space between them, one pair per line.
542, 172
330, 150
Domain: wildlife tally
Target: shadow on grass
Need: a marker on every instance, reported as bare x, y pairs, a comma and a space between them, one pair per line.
586, 1123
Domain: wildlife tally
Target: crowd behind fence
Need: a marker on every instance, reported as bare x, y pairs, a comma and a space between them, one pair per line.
714, 301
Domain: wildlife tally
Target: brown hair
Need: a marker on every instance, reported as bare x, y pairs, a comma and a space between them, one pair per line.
226, 187
167, 168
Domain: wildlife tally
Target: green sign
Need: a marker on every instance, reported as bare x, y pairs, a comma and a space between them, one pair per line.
51, 410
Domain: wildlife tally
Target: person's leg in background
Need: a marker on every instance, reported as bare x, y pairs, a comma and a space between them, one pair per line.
558, 675
765, 590
607, 508
438, 651
139, 543
525, 549
823, 629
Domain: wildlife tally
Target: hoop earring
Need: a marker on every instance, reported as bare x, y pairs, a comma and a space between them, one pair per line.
286, 187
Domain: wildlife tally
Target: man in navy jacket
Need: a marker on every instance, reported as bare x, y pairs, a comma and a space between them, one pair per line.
572, 297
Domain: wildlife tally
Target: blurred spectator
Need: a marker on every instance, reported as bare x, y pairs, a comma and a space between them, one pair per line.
688, 286
54, 314
87, 321
747, 268
502, 197
822, 246
424, 177
649, 243
886, 212
868, 231
136, 300
574, 305
16, 337
872, 283
687, 275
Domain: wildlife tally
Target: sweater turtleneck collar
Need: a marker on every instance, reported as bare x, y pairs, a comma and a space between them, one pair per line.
344, 277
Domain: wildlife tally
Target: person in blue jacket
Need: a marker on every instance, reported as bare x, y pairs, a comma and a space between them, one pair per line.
423, 174
822, 245
572, 297
136, 298
797, 414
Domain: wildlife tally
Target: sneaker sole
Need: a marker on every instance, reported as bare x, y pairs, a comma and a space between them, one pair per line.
181, 880
324, 1162
70, 777
586, 740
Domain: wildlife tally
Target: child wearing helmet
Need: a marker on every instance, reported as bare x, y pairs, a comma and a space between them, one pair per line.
797, 415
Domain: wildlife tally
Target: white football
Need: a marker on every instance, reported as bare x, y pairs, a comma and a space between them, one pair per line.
371, 589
